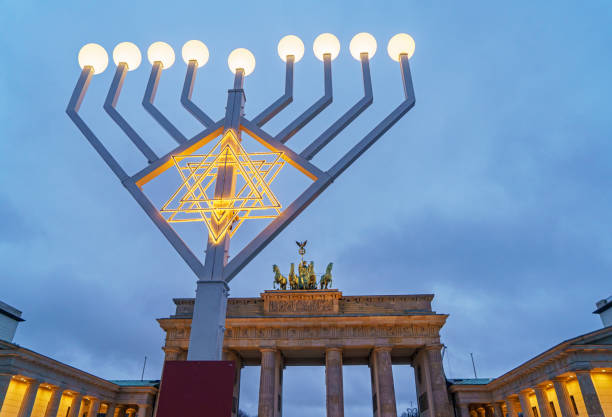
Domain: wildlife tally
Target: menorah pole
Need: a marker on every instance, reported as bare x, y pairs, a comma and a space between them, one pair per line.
208, 323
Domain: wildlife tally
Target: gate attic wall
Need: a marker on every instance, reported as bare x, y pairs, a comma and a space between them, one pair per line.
301, 325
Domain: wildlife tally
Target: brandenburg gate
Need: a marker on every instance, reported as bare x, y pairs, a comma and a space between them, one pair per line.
323, 327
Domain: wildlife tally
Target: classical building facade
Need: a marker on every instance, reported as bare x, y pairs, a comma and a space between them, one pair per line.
573, 379
323, 327
33, 385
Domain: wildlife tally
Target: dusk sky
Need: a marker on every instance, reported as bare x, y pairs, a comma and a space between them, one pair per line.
493, 192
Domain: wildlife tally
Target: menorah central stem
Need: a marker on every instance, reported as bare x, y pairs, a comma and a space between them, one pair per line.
208, 324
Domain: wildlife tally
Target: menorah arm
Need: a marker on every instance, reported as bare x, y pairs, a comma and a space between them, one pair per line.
275, 108
274, 228
149, 98
310, 113
73, 112
192, 69
110, 106
291, 157
382, 127
347, 117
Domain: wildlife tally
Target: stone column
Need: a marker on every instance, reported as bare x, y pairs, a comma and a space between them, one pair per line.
511, 407
543, 402
54, 402
384, 390
27, 404
110, 409
497, 409
76, 405
144, 410
119, 410
525, 404
441, 403
5, 381
481, 412
567, 409
464, 410
334, 399
267, 382
94, 407
172, 353
589, 394
229, 355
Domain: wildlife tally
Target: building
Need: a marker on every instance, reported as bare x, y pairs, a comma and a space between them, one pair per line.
33, 385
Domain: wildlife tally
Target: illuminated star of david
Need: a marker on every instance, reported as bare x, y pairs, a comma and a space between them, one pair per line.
250, 196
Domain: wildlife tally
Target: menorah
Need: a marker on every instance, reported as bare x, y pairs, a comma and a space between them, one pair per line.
228, 185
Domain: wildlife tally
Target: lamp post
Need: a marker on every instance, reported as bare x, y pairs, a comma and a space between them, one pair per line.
228, 185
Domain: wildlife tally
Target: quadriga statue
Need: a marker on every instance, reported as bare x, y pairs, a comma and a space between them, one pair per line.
326, 279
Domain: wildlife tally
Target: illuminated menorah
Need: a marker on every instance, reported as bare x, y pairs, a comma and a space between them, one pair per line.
228, 185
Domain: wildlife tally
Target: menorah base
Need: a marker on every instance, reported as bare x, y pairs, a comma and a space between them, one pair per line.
196, 389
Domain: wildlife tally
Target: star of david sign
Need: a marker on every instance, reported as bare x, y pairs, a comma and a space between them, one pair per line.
250, 197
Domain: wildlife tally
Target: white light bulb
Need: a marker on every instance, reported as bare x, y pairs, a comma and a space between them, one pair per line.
162, 52
326, 43
362, 42
401, 43
291, 45
93, 55
129, 53
241, 58
195, 50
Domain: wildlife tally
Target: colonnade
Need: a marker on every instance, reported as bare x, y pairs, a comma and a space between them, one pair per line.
27, 397
381, 371
552, 399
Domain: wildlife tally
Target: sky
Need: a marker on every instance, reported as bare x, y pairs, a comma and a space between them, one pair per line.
492, 193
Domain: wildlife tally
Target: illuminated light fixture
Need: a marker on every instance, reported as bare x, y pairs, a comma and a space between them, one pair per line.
241, 58
195, 200
326, 43
128, 53
362, 43
400, 44
291, 45
161, 52
93, 55
195, 50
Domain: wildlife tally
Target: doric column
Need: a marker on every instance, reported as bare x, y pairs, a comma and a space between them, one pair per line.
525, 404
543, 402
464, 410
119, 410
144, 410
589, 394
382, 379
334, 399
29, 397
75, 406
567, 410
229, 355
110, 410
441, 403
54, 402
94, 407
481, 412
267, 382
511, 407
5, 381
497, 409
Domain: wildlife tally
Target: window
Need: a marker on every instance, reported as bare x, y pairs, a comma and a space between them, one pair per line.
552, 408
535, 411
574, 404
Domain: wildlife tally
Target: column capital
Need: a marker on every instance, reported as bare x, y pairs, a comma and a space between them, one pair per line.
268, 349
582, 372
559, 379
381, 349
435, 346
333, 349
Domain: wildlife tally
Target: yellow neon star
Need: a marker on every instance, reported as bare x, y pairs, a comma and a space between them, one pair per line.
249, 197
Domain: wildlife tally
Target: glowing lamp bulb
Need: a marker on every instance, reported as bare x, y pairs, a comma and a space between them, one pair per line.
401, 43
195, 50
291, 45
326, 43
128, 53
93, 55
362, 42
162, 52
241, 58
